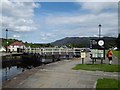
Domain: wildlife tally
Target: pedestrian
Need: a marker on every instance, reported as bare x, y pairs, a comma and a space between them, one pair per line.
109, 55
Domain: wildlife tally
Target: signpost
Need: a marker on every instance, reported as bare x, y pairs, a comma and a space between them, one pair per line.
97, 49
83, 55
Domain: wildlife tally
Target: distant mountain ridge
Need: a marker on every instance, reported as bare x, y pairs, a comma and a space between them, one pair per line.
75, 41
110, 41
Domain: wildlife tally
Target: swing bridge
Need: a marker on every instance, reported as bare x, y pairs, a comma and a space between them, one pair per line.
54, 51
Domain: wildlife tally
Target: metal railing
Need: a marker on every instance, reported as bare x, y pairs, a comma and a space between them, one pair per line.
53, 50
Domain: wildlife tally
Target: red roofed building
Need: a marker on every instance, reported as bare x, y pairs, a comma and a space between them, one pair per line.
16, 46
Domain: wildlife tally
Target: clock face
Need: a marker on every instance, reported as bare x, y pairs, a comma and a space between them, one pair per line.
101, 42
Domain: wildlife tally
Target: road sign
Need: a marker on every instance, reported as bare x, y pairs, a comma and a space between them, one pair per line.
97, 44
100, 42
97, 47
83, 55
97, 54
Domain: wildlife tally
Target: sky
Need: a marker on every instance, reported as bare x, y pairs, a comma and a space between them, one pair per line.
46, 22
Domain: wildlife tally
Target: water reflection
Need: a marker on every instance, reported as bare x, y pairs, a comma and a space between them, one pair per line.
11, 67
8, 73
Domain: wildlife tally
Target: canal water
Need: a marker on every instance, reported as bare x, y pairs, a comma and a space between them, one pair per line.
14, 65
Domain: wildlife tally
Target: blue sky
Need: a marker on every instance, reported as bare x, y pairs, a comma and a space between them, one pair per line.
45, 22
55, 7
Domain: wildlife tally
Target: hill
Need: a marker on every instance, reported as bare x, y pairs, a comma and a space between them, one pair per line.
34, 45
3, 41
68, 41
83, 41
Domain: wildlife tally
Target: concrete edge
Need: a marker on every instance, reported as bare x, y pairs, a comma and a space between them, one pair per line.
94, 86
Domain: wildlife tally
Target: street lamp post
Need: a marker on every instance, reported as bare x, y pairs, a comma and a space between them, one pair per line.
99, 30
6, 39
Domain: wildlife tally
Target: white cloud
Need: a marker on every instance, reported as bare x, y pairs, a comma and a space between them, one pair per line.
85, 20
18, 9
44, 38
97, 1
64, 19
47, 36
86, 24
97, 12
18, 16
16, 36
96, 7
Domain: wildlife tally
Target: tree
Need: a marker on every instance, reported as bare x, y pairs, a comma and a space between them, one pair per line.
118, 42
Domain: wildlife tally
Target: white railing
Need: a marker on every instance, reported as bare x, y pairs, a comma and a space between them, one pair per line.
53, 50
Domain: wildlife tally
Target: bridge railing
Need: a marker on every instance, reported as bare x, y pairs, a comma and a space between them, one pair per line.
53, 50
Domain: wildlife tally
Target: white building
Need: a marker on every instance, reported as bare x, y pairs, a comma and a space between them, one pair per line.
16, 46
115, 48
2, 49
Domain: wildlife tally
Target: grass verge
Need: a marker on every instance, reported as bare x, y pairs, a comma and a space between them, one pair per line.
97, 67
113, 84
117, 54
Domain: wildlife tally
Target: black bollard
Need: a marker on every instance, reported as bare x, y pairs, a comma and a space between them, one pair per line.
67, 56
92, 61
59, 57
95, 60
82, 60
41, 57
53, 58
45, 56
101, 61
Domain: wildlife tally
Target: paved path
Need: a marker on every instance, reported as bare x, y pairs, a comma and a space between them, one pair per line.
61, 75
